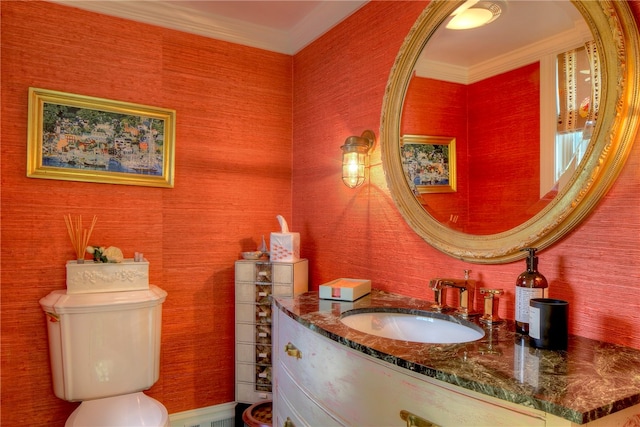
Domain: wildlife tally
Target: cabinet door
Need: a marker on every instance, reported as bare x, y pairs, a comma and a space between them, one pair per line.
364, 391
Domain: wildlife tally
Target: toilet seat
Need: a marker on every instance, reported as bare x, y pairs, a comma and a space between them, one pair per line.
129, 410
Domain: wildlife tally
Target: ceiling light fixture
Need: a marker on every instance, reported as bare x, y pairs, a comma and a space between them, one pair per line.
474, 14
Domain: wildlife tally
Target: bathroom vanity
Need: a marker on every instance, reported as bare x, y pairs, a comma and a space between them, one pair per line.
327, 374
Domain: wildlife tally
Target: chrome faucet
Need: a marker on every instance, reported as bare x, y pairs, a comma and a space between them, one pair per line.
466, 288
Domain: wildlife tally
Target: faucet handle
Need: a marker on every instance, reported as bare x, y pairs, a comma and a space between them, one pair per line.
491, 301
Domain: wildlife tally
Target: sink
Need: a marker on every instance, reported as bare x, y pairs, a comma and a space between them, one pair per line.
426, 327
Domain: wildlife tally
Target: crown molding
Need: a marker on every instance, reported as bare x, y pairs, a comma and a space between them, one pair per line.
325, 16
176, 17
507, 62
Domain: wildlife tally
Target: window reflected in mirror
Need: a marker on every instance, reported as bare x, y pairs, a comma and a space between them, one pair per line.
578, 96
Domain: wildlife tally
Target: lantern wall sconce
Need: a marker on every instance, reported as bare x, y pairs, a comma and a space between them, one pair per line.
355, 158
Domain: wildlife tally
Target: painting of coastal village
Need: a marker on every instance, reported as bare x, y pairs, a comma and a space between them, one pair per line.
89, 139
429, 163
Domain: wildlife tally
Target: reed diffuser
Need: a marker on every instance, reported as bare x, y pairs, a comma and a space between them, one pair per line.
79, 236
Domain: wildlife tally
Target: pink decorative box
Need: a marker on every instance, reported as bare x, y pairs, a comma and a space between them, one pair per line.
345, 289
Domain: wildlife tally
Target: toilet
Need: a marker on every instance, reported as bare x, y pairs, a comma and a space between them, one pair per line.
105, 350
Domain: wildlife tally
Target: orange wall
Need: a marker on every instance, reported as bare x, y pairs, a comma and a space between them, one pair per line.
233, 176
505, 119
230, 187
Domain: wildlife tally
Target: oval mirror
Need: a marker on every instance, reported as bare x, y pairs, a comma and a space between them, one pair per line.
496, 138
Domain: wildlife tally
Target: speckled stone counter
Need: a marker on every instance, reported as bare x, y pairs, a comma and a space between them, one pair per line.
590, 380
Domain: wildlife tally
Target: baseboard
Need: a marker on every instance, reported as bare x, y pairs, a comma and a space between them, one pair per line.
212, 416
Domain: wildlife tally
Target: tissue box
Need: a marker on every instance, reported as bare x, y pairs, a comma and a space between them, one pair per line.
92, 277
345, 289
285, 247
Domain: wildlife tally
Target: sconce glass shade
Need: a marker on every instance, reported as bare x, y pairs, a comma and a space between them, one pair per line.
355, 156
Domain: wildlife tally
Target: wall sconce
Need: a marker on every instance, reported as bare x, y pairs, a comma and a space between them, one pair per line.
355, 156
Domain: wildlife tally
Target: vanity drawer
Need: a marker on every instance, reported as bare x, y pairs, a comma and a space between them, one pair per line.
297, 406
284, 414
365, 391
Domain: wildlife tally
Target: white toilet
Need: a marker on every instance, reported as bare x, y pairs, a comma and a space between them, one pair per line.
105, 350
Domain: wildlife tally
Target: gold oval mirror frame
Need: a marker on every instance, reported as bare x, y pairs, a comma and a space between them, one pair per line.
616, 36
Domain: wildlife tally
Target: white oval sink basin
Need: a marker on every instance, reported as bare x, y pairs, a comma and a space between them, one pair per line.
412, 327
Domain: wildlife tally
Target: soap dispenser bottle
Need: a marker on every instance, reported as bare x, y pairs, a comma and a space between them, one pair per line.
530, 284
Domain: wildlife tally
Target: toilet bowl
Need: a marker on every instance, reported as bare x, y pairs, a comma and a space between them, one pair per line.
129, 410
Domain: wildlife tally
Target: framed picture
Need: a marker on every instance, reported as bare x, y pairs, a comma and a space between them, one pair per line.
429, 163
81, 138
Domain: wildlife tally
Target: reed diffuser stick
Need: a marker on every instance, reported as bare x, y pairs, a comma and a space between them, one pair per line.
79, 236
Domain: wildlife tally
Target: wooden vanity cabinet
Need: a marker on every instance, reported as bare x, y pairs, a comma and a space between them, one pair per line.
255, 283
318, 382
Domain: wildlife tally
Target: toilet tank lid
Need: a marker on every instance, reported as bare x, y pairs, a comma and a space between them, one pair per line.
60, 302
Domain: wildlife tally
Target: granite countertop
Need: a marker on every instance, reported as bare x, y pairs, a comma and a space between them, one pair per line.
590, 380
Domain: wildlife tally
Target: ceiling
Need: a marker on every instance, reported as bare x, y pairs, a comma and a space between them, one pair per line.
287, 26
526, 31
279, 26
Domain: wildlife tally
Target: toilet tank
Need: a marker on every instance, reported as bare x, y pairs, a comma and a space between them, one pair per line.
103, 344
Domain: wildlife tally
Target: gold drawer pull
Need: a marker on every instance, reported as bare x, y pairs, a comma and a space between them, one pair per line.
288, 423
415, 421
292, 351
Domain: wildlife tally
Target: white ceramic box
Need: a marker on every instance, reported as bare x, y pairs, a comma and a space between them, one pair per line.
345, 289
92, 277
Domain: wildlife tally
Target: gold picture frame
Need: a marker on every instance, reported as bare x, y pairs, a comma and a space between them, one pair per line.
81, 138
429, 163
